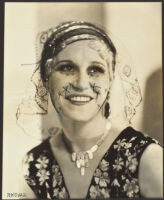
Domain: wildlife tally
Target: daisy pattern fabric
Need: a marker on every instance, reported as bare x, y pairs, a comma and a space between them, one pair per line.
116, 175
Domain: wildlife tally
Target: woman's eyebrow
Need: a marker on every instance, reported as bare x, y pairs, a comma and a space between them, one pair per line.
63, 61
97, 63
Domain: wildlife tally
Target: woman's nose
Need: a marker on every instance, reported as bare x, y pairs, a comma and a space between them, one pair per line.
82, 82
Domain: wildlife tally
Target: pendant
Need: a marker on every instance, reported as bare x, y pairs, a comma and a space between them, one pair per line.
81, 159
82, 171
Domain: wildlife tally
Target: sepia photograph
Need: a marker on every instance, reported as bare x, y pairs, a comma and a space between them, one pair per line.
82, 110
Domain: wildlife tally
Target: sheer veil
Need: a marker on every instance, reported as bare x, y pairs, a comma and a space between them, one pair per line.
36, 115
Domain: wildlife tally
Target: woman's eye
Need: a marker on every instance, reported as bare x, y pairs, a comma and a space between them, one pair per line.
67, 68
95, 70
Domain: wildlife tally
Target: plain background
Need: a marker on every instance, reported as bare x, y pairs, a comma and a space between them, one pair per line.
137, 25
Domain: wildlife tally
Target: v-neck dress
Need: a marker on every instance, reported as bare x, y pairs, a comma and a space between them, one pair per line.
116, 175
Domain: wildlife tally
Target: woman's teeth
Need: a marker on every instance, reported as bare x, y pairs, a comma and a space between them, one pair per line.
80, 99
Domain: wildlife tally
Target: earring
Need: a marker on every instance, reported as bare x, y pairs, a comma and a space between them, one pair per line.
107, 110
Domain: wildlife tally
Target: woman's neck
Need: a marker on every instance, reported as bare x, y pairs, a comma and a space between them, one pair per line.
80, 136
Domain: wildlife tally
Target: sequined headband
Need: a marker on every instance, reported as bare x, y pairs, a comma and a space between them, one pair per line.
68, 33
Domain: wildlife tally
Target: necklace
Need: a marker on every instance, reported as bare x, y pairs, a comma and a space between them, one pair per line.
81, 158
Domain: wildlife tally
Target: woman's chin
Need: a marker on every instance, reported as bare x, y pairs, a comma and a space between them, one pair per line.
79, 116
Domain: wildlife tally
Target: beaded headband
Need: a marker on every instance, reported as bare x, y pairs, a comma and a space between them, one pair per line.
57, 39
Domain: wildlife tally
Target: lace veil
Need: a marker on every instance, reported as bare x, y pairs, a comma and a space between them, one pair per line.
36, 115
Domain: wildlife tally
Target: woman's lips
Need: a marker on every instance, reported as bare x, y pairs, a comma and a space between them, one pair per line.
79, 99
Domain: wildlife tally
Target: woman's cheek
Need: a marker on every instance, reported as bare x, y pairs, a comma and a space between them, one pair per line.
56, 81
104, 89
55, 86
59, 87
103, 83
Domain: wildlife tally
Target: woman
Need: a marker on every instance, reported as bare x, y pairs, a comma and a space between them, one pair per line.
89, 157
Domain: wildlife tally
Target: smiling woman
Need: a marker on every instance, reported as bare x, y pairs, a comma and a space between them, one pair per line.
78, 86
89, 157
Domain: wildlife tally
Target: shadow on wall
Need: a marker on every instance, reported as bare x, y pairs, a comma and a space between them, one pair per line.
152, 112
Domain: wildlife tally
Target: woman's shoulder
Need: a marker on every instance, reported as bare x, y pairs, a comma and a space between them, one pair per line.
151, 171
137, 137
149, 154
42, 149
134, 143
142, 156
37, 163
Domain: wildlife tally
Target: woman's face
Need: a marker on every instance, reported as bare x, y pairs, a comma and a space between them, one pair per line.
79, 82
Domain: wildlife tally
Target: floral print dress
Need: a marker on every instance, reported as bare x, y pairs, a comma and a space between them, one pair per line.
116, 175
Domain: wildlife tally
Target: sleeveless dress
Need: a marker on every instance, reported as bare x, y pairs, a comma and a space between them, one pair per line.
116, 175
